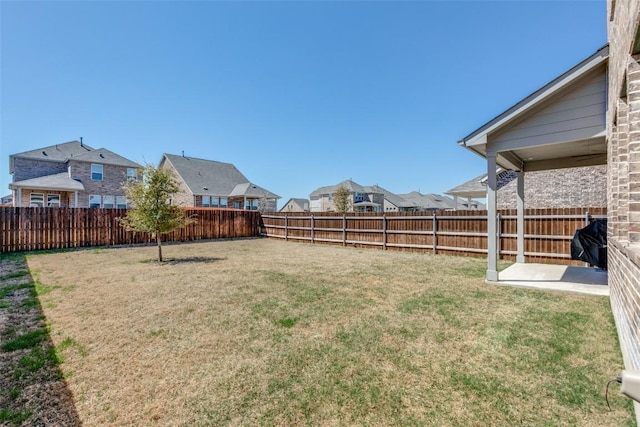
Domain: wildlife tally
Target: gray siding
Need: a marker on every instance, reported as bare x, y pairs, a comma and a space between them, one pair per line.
570, 117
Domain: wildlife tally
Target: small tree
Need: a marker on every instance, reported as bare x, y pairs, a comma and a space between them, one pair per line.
342, 199
151, 209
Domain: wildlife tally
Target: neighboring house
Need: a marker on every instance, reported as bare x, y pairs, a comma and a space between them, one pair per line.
569, 187
393, 202
431, 202
211, 184
296, 205
374, 198
362, 199
7, 200
71, 174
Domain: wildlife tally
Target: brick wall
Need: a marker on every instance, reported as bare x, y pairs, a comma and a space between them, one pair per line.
27, 168
183, 197
623, 126
559, 188
113, 177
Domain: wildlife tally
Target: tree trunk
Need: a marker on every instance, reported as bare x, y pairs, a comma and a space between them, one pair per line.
159, 247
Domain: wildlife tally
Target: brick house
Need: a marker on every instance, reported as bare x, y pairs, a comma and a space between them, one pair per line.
295, 205
623, 133
71, 174
570, 187
211, 184
361, 198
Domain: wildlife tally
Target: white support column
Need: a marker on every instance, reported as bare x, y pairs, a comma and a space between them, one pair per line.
455, 203
492, 241
75, 199
18, 201
520, 220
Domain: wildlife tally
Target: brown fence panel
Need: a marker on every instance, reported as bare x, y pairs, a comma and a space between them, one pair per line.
30, 229
548, 232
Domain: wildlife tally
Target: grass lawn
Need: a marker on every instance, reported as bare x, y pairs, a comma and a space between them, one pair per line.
265, 332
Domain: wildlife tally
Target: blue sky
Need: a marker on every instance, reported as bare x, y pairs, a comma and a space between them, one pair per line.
296, 94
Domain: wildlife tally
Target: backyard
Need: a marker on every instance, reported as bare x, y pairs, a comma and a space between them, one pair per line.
266, 332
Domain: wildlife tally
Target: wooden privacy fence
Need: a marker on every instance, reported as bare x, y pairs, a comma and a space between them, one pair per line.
29, 229
548, 232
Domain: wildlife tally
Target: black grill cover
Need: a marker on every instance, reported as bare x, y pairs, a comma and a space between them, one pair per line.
589, 244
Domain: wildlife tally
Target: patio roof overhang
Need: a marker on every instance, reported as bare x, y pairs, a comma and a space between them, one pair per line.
561, 125
56, 182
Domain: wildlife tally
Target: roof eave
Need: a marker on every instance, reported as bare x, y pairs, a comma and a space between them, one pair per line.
479, 136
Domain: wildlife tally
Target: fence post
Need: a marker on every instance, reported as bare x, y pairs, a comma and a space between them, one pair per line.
587, 221
499, 233
344, 230
384, 232
286, 233
312, 229
435, 233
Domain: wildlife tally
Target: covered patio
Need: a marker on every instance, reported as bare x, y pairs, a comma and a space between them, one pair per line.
561, 125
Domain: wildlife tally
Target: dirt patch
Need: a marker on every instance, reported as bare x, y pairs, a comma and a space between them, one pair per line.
32, 389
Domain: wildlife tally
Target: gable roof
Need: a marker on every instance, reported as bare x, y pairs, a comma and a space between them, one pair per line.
249, 189
298, 202
473, 188
53, 153
212, 178
393, 198
106, 157
75, 150
429, 201
350, 185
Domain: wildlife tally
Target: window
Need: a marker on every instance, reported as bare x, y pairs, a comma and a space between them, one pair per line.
252, 204
330, 196
358, 197
108, 202
206, 201
224, 202
237, 205
95, 201
132, 174
36, 200
121, 202
96, 172
215, 202
53, 200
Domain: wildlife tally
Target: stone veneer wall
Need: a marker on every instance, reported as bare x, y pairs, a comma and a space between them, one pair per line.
624, 177
584, 187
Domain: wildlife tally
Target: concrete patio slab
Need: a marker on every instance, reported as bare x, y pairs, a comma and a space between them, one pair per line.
582, 280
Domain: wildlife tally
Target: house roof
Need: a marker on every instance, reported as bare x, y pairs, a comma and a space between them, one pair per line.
53, 153
298, 201
249, 189
104, 156
350, 185
75, 150
58, 181
473, 188
392, 197
428, 201
212, 178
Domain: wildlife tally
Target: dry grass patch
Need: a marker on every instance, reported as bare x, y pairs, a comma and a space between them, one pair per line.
263, 332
